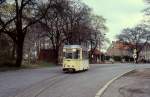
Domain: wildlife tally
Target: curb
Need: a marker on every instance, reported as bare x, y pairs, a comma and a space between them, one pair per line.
103, 89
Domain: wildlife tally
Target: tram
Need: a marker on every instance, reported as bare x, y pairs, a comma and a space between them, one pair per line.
75, 58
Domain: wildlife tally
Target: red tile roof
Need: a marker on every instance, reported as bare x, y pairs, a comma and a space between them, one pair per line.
97, 52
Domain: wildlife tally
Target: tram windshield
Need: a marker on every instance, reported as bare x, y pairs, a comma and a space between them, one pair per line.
70, 54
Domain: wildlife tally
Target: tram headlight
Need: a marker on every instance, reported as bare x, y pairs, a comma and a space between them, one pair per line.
64, 50
74, 50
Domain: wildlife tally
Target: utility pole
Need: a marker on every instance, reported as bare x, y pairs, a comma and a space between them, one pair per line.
135, 55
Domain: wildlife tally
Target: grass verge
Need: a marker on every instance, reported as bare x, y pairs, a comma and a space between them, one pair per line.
28, 66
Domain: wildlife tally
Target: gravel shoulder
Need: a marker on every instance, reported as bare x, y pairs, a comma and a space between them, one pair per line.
133, 84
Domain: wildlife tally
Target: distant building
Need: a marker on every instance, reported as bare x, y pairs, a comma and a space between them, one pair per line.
122, 49
119, 48
145, 53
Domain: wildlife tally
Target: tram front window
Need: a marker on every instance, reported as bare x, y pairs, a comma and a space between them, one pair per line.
68, 55
72, 55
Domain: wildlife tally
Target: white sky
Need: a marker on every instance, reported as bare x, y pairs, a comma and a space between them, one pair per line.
119, 13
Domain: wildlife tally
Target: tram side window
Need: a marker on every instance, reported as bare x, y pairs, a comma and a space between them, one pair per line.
77, 54
85, 55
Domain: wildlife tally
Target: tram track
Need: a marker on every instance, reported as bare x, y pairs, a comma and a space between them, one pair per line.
36, 89
54, 83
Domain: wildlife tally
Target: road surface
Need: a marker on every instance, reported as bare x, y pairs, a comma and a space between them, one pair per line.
52, 82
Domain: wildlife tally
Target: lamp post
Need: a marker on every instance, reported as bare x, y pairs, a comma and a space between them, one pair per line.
135, 54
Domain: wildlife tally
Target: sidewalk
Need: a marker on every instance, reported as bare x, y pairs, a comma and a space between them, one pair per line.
134, 84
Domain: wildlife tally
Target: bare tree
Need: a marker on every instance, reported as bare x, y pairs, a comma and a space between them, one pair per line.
67, 24
137, 36
71, 22
97, 35
15, 23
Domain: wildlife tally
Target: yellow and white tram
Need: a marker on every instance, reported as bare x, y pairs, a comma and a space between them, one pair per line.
75, 58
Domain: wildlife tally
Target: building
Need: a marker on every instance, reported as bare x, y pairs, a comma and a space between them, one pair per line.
119, 48
120, 51
145, 53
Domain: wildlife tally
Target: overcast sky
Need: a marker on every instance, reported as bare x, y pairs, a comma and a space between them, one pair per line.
118, 13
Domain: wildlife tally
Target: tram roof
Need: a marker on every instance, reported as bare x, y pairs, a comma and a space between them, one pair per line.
75, 46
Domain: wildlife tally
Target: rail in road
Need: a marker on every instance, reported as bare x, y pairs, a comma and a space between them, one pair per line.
36, 89
54, 83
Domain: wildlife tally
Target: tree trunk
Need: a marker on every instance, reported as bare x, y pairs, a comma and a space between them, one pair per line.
19, 52
14, 50
56, 55
60, 55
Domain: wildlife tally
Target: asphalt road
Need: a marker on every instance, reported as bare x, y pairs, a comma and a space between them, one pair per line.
52, 82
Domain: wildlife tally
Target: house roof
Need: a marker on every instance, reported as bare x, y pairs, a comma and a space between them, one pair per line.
97, 52
76, 47
123, 45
